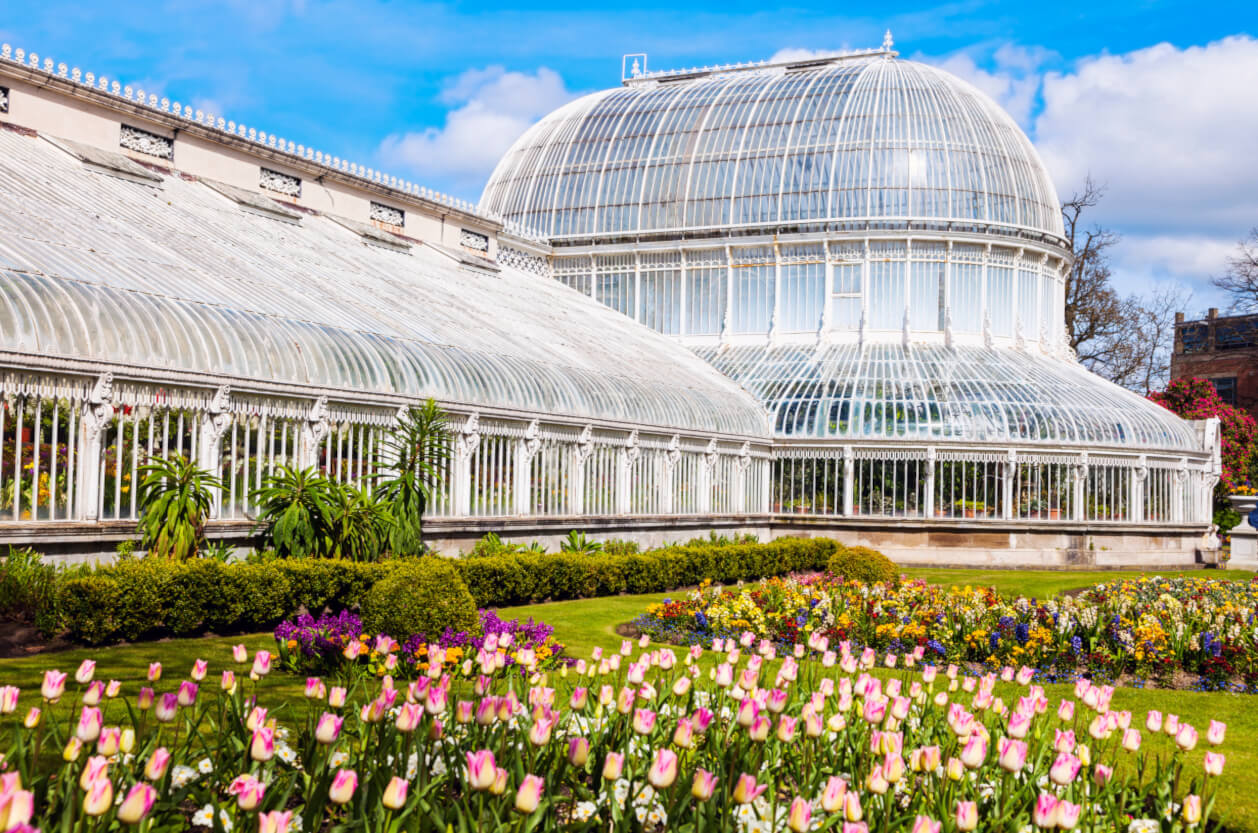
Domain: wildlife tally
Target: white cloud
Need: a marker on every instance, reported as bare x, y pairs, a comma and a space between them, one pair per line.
1014, 80
491, 108
1171, 132
1143, 261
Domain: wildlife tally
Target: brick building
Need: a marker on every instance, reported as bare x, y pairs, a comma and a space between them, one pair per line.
1223, 349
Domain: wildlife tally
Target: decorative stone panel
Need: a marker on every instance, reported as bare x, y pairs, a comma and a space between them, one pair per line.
387, 214
473, 240
150, 144
279, 183
523, 261
4, 99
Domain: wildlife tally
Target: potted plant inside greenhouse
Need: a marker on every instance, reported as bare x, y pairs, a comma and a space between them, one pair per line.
972, 508
1244, 500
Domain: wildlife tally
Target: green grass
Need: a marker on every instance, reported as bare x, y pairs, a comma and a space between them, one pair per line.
581, 625
1047, 583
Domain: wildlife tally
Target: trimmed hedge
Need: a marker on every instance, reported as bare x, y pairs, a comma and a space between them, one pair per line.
864, 565
425, 596
136, 599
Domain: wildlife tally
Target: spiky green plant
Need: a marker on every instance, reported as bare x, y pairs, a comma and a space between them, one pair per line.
293, 508
175, 498
416, 455
358, 524
578, 543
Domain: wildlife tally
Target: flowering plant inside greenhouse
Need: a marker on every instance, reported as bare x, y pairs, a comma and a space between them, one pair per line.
725, 738
1151, 627
337, 644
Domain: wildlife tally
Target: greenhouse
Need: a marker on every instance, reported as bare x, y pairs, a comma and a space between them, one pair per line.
824, 296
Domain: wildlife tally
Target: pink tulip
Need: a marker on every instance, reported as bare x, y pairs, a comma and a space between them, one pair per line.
328, 728
759, 729
877, 781
1214, 734
157, 765
540, 731
96, 769
704, 785
248, 790
481, 769
89, 726
683, 735
578, 751
262, 745
8, 699
967, 816
54, 686
1066, 711
786, 728
875, 710
1214, 763
1045, 812
1063, 741
925, 824
799, 817
98, 797
344, 783
409, 717
1101, 774
1019, 724
17, 807
261, 663
155, 672
109, 741
336, 696
274, 821
1191, 813
529, 795
833, 795
1131, 740
167, 707
394, 797
85, 672
1065, 769
852, 808
643, 721
1068, 815
1186, 737
1153, 722
663, 771
1171, 725
187, 693
1011, 754
228, 681
746, 790
974, 753
199, 669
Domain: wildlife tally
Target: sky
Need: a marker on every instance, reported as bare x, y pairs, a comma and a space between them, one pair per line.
1158, 101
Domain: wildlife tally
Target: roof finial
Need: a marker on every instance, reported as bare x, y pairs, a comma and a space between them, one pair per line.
887, 43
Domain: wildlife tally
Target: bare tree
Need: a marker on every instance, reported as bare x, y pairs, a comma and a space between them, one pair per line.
1126, 340
1241, 278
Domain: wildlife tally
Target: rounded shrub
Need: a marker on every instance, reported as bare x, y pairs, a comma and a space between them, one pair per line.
424, 596
863, 565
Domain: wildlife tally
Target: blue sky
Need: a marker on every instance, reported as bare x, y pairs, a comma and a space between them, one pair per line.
1156, 99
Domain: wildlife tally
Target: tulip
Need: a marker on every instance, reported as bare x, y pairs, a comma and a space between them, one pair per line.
759, 731
1214, 734
663, 771
704, 785
1065, 769
17, 806
529, 795
540, 731
167, 707
925, 824
967, 815
97, 767
408, 717
54, 686
1131, 740
394, 796
92, 694
799, 818
875, 710
89, 726
72, 750
1063, 741
274, 821
1019, 725
833, 794
99, 797
248, 790
613, 766
877, 781
1066, 711
109, 741
262, 746
126, 741
1186, 737
1012, 754
975, 752
746, 790
85, 672
1101, 774
683, 735
578, 751
1192, 809
1044, 814
1068, 815
1214, 763
624, 700
157, 765
228, 681
1153, 722
852, 807
328, 729
481, 769
643, 721
187, 693
1171, 725
580, 697
341, 790
155, 672
955, 769
336, 696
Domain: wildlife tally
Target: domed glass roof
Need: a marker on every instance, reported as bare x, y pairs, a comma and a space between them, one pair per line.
858, 139
932, 392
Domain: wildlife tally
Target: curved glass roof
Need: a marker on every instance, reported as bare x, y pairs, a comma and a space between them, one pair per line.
856, 139
177, 275
962, 394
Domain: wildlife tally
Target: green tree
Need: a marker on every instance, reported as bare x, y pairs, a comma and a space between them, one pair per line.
416, 455
294, 506
175, 498
358, 524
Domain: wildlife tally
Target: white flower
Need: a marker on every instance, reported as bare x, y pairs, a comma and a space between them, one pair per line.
203, 817
181, 776
205, 766
1143, 826
338, 758
584, 810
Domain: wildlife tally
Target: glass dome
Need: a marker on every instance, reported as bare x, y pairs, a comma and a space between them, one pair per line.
938, 394
858, 140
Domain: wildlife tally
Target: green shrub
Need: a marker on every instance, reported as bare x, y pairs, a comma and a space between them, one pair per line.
615, 546
864, 565
421, 597
28, 589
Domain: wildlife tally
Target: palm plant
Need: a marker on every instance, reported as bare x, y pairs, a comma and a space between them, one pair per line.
358, 526
175, 497
416, 455
578, 543
293, 507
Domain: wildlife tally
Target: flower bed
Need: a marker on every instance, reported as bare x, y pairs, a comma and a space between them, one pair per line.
337, 644
1146, 628
644, 743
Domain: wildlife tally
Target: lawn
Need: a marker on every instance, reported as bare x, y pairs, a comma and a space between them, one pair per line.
587, 623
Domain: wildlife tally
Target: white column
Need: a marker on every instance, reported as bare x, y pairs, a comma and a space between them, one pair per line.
1010, 467
1177, 491
1080, 472
625, 458
849, 464
97, 413
313, 431
728, 323
827, 297
703, 502
525, 450
465, 444
1136, 501
683, 302
928, 499
214, 424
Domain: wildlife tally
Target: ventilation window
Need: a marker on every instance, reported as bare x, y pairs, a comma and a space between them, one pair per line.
388, 215
285, 184
474, 240
150, 144
4, 99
